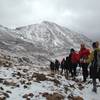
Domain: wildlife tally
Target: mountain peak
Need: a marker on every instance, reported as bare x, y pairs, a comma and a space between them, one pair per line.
49, 34
47, 22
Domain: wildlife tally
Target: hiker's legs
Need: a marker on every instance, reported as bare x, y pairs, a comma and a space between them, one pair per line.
85, 71
61, 71
74, 69
70, 70
94, 85
66, 74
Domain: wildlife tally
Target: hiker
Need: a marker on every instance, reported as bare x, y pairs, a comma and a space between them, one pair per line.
52, 65
83, 56
74, 59
94, 58
67, 65
70, 62
57, 65
63, 62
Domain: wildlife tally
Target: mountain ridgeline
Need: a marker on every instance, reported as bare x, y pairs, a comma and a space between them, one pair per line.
40, 41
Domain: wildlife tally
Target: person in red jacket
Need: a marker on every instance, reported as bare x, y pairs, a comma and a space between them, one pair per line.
83, 55
74, 59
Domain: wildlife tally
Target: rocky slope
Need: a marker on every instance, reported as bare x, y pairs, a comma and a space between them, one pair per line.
32, 83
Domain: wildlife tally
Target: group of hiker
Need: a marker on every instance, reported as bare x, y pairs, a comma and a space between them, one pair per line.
87, 60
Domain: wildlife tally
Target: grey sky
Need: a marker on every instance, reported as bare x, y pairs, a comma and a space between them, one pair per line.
78, 15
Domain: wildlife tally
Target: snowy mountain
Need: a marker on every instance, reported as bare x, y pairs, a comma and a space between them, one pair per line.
44, 40
51, 36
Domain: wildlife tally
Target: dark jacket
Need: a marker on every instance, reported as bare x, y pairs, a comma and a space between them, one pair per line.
94, 70
63, 64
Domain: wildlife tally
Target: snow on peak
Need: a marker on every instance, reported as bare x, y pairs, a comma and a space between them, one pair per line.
48, 33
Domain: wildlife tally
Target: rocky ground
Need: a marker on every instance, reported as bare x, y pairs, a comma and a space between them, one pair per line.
32, 83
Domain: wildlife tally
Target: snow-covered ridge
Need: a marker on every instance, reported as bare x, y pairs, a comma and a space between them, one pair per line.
49, 34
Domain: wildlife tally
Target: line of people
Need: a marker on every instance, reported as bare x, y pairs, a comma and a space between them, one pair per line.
71, 62
84, 58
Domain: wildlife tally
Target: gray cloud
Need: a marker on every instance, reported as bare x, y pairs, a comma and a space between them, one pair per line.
79, 15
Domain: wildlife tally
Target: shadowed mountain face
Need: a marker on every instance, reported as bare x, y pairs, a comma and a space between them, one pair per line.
46, 38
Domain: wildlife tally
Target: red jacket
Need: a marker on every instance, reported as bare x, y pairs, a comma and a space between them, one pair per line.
75, 57
83, 55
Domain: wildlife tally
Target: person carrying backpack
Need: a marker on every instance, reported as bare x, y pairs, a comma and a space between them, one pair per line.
74, 59
83, 56
67, 67
95, 64
52, 65
57, 65
69, 62
63, 65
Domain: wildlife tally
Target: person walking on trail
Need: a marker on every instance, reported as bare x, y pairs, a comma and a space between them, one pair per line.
52, 65
67, 67
83, 56
74, 58
70, 63
57, 65
63, 64
94, 58
74, 61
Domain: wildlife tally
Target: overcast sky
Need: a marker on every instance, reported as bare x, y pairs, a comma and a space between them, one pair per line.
79, 15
